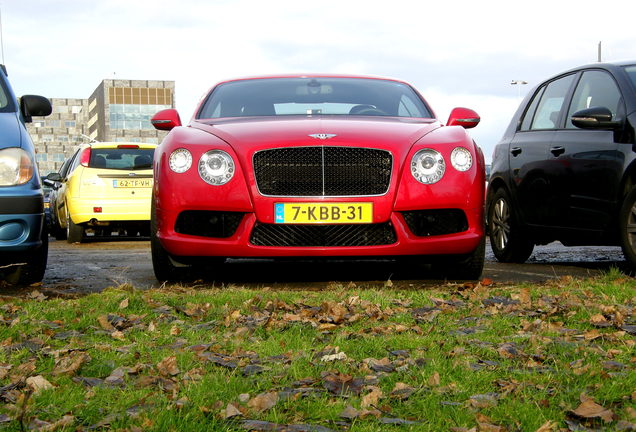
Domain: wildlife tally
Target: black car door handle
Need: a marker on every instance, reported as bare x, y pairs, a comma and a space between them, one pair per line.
515, 151
557, 150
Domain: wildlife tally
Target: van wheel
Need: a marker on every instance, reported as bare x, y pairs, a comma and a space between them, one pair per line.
508, 241
627, 226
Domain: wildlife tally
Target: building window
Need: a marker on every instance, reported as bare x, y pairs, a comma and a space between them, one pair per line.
76, 109
40, 157
133, 117
62, 138
53, 123
69, 124
47, 138
57, 157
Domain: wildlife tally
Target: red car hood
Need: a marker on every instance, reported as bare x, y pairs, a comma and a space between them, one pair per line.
251, 134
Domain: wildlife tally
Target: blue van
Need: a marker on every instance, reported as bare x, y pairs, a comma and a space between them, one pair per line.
23, 236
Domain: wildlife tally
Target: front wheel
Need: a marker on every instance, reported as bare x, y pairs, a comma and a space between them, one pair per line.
32, 271
508, 241
468, 268
627, 226
162, 264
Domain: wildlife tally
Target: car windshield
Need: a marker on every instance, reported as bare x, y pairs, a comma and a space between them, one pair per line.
313, 96
631, 73
121, 158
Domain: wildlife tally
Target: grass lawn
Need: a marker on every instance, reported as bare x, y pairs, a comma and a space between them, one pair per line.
459, 357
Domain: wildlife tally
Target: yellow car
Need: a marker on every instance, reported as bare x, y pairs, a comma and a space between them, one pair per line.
103, 188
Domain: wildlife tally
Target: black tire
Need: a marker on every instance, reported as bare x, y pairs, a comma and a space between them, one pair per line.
627, 226
57, 231
33, 271
162, 263
508, 241
468, 268
74, 233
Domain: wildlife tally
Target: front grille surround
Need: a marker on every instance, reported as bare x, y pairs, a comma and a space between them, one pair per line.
322, 171
339, 235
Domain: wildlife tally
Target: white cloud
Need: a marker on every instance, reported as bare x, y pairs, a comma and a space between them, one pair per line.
460, 53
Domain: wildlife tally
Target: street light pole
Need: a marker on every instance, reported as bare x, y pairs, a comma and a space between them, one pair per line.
519, 83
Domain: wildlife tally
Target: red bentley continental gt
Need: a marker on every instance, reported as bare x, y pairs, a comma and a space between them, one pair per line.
317, 166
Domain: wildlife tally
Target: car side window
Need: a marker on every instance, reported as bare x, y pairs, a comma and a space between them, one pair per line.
551, 103
595, 89
529, 115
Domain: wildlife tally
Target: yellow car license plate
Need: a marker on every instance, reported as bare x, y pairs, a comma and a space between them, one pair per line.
132, 183
323, 213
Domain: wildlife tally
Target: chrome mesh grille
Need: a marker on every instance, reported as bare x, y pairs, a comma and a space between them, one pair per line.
323, 171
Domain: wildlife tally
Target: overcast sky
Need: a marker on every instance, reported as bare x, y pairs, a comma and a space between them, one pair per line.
456, 53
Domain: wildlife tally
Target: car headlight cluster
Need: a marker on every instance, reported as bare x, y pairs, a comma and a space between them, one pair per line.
428, 166
215, 167
16, 167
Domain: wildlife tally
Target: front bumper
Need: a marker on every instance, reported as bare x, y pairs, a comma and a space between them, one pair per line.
242, 243
21, 222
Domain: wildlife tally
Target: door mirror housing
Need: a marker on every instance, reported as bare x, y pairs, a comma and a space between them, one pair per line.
463, 117
53, 177
594, 118
167, 119
33, 105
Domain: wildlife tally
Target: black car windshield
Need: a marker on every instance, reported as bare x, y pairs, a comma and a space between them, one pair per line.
313, 96
121, 158
631, 73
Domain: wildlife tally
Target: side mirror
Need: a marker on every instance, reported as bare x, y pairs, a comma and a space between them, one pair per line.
594, 118
166, 119
463, 117
53, 177
33, 105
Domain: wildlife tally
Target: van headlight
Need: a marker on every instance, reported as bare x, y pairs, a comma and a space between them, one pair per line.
216, 167
16, 167
428, 166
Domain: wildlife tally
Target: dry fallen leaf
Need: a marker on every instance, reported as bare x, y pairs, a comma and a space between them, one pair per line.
71, 363
263, 401
38, 383
371, 399
123, 304
590, 409
168, 366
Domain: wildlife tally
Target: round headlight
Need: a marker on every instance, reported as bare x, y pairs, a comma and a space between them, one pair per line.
216, 167
180, 160
428, 166
16, 167
461, 159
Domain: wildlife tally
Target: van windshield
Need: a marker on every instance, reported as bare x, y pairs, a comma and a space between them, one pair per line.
121, 158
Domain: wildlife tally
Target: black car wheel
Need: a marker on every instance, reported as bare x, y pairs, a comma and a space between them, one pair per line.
162, 263
35, 264
627, 224
74, 233
507, 240
468, 268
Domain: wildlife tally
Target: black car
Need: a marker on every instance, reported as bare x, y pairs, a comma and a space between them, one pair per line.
565, 168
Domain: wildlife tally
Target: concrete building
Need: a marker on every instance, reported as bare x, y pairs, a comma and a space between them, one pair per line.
118, 110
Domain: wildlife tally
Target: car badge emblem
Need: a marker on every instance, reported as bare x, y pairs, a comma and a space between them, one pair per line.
322, 136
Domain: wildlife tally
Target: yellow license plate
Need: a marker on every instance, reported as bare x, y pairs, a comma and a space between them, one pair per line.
132, 183
323, 213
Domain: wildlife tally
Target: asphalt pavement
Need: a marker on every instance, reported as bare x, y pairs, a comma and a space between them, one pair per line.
94, 266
